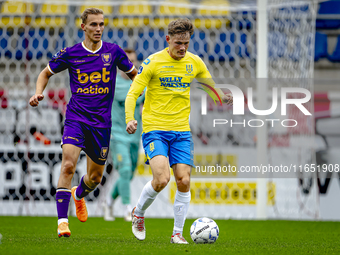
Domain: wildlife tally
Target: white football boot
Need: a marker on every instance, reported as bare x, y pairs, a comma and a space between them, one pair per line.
138, 226
178, 238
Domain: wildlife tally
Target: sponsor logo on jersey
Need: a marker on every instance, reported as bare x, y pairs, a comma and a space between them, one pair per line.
106, 57
103, 152
93, 90
70, 137
146, 61
94, 77
173, 82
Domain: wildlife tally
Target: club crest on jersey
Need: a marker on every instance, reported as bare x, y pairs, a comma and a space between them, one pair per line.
189, 68
106, 57
103, 152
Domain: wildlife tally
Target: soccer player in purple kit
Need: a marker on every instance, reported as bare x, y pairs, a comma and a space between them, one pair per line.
92, 67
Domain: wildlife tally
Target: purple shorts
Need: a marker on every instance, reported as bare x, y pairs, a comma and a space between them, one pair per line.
95, 142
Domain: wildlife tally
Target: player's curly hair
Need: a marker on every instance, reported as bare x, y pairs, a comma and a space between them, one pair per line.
88, 11
180, 26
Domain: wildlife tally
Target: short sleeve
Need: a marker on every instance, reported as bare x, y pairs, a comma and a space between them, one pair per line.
123, 62
203, 70
59, 61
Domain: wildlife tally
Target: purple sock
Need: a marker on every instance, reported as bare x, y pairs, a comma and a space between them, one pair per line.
63, 199
82, 189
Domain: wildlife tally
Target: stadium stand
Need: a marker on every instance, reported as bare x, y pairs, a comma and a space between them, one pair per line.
107, 9
149, 43
54, 15
7, 127
335, 56
118, 36
199, 43
168, 9
327, 33
133, 14
328, 8
320, 46
209, 9
173, 7
13, 13
230, 45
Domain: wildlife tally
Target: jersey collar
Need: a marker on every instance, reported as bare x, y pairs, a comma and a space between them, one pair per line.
172, 59
101, 44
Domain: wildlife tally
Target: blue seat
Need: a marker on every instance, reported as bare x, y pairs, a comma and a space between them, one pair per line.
245, 23
35, 46
225, 47
199, 44
328, 7
278, 47
4, 43
80, 36
320, 46
335, 57
117, 36
229, 46
242, 49
150, 43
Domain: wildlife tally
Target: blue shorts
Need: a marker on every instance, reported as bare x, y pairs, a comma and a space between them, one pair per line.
94, 141
178, 146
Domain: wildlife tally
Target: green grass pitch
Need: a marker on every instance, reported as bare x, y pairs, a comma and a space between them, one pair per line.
38, 235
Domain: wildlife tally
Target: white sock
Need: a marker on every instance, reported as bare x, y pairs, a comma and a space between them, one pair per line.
181, 206
62, 220
146, 198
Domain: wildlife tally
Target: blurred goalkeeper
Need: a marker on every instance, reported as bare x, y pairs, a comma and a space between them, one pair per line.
123, 147
92, 66
166, 132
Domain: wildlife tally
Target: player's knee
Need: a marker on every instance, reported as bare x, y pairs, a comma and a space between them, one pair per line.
183, 182
95, 179
161, 183
68, 169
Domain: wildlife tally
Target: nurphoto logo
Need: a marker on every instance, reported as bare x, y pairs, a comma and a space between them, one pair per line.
239, 102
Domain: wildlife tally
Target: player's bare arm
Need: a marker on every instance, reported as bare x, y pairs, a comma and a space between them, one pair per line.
40, 87
131, 127
132, 74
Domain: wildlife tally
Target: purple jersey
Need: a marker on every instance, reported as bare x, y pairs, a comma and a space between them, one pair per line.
92, 80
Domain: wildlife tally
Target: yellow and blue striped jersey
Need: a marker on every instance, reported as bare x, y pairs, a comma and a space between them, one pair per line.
167, 98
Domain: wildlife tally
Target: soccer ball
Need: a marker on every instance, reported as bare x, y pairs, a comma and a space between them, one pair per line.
204, 230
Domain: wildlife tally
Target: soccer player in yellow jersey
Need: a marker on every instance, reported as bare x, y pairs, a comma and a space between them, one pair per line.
166, 132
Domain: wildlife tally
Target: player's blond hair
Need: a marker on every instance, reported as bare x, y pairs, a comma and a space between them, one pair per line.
180, 26
88, 11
